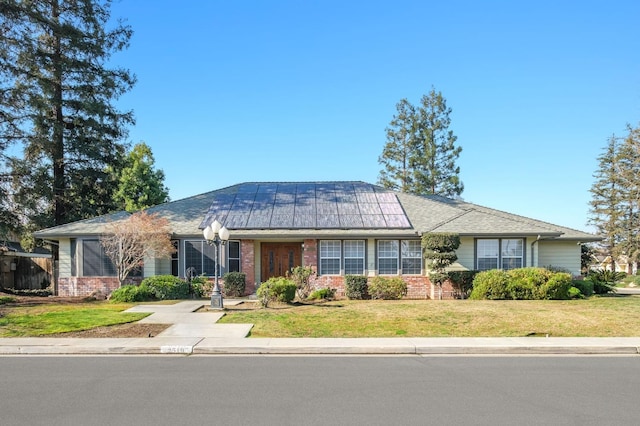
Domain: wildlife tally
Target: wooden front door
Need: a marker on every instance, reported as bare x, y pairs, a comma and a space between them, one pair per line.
279, 258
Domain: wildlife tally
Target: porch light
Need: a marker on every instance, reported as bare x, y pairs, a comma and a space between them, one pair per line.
215, 234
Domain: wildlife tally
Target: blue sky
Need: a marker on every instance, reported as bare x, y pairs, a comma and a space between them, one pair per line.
236, 91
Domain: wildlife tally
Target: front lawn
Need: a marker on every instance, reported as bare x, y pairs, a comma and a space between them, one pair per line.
51, 318
597, 317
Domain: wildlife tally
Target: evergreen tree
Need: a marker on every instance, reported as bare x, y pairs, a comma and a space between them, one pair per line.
629, 163
58, 94
420, 154
139, 185
615, 203
401, 137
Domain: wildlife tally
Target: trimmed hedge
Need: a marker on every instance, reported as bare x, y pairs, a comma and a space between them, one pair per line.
167, 287
521, 284
276, 290
585, 287
132, 293
387, 288
234, 284
355, 287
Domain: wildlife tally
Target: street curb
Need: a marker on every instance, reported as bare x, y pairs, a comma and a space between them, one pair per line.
319, 346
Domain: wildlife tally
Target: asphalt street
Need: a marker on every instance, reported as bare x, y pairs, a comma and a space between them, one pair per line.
305, 390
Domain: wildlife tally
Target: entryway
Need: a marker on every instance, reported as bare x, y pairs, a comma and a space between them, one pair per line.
279, 258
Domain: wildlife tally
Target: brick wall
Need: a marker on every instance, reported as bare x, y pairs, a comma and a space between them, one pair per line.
247, 256
418, 286
86, 286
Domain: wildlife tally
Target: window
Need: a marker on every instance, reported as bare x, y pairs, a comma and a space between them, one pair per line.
388, 255
330, 256
201, 256
512, 253
73, 255
411, 257
233, 258
175, 258
354, 257
487, 254
94, 261
499, 253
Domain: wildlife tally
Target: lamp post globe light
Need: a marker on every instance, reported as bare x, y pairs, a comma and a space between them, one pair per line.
215, 234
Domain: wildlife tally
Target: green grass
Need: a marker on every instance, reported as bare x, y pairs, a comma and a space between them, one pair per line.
596, 317
41, 320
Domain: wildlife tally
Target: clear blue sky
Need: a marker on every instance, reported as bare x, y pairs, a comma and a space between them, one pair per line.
236, 91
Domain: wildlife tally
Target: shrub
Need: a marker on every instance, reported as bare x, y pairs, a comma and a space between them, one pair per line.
301, 276
29, 292
521, 284
234, 284
585, 287
490, 284
557, 287
525, 283
604, 281
276, 289
7, 299
199, 286
575, 293
167, 287
463, 282
355, 286
387, 288
132, 293
323, 294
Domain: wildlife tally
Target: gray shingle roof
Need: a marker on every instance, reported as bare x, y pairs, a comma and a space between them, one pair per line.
328, 209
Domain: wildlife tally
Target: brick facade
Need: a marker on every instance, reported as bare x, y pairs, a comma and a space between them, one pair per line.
418, 286
247, 258
86, 286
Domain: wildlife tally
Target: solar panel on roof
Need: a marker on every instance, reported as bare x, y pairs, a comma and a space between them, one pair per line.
307, 205
373, 221
282, 221
350, 221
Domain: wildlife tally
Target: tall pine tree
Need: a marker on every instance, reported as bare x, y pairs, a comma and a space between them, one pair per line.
420, 154
59, 94
615, 196
604, 212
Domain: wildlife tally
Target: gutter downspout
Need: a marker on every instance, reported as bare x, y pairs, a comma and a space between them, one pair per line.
532, 244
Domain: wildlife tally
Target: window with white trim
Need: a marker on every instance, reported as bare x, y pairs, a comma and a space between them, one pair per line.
494, 253
388, 257
411, 254
512, 253
330, 257
354, 257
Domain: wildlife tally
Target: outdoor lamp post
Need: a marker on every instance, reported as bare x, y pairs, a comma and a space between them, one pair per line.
216, 234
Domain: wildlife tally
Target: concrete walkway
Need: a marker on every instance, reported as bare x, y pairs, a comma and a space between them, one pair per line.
194, 332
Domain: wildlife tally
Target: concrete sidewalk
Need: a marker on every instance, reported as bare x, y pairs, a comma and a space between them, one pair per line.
197, 333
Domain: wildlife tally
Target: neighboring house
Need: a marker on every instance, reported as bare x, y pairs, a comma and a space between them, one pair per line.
336, 228
21, 270
621, 264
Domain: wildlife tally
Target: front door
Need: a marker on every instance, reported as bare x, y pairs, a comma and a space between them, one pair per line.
279, 258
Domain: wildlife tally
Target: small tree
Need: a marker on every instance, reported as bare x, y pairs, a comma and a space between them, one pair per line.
301, 276
440, 253
127, 242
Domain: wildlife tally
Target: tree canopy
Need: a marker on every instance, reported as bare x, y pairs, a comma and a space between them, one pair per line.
420, 154
615, 196
139, 185
128, 242
57, 100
